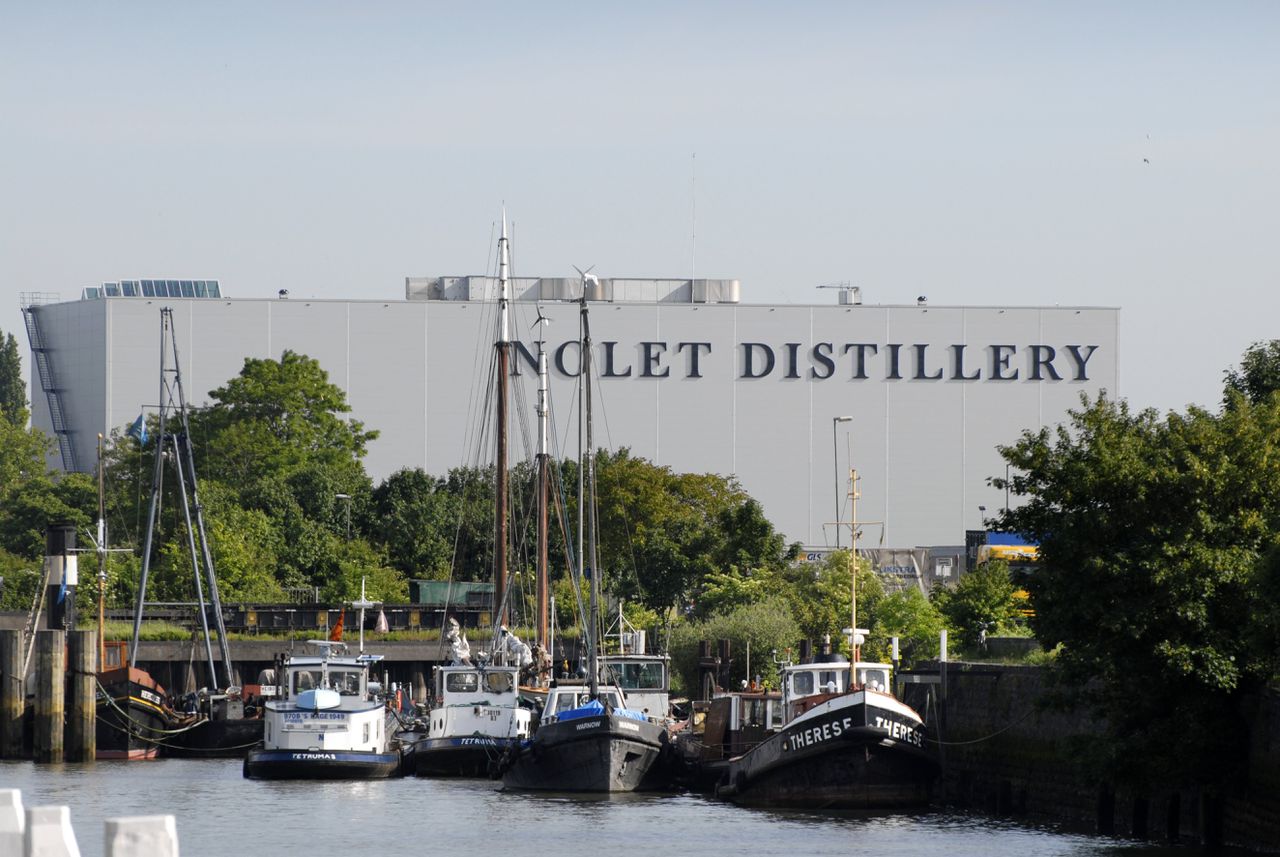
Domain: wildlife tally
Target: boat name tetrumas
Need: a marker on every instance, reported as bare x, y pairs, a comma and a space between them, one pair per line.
850, 361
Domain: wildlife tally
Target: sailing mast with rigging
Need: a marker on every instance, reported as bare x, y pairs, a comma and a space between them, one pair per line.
588, 740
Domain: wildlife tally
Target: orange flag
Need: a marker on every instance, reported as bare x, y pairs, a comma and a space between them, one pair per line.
336, 633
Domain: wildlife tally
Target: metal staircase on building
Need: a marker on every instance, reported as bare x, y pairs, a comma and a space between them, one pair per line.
44, 367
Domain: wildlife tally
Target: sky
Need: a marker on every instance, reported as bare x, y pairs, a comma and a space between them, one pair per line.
980, 153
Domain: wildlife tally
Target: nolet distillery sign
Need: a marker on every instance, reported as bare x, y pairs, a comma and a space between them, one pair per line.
852, 361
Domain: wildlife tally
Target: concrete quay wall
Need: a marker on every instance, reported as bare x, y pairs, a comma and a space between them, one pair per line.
1006, 751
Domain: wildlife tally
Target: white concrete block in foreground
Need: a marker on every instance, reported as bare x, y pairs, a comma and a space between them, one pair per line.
12, 821
49, 833
141, 836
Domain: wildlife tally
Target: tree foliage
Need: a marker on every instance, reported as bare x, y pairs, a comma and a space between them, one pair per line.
981, 602
1151, 532
1257, 377
911, 617
13, 390
767, 625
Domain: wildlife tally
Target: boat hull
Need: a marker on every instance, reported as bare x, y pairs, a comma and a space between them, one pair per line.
848, 753
459, 756
132, 720
264, 764
599, 753
215, 739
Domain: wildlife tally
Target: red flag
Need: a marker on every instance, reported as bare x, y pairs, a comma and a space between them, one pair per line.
336, 633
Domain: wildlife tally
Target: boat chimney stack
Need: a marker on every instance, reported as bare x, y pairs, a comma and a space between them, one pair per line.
62, 573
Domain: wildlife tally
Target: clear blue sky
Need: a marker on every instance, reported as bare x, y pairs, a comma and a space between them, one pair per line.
977, 153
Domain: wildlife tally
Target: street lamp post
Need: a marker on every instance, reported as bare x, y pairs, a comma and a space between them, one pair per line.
346, 497
1006, 488
835, 463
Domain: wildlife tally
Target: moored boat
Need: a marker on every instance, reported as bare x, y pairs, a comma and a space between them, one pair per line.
329, 722
477, 712
839, 746
589, 743
590, 739
133, 718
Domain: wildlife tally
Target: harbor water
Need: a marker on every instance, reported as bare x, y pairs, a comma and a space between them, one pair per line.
220, 813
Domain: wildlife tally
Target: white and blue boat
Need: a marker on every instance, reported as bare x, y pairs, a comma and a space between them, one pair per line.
477, 713
329, 721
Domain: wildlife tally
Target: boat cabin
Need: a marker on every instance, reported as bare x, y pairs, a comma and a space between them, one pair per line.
566, 697
644, 679
807, 685
329, 671
735, 722
473, 685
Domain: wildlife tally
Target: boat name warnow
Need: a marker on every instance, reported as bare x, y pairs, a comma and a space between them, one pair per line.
854, 361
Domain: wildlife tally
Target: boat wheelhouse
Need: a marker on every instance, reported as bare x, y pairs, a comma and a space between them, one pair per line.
825, 743
475, 717
328, 722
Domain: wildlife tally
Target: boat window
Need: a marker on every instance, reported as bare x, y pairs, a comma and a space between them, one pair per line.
497, 682
346, 682
874, 679
753, 712
801, 684
610, 698
462, 682
647, 676
833, 681
306, 680
568, 701
775, 714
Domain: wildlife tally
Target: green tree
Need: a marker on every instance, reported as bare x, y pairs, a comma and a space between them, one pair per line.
22, 455
914, 620
821, 598
414, 519
767, 626
32, 505
663, 534
1258, 375
13, 391
979, 603
276, 417
1152, 533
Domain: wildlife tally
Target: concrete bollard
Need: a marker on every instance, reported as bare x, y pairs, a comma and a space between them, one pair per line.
141, 836
13, 698
49, 833
82, 686
12, 821
50, 713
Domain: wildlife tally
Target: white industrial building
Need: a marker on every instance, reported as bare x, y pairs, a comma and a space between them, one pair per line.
691, 378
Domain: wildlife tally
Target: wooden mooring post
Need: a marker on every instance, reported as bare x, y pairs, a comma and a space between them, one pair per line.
50, 709
13, 699
82, 679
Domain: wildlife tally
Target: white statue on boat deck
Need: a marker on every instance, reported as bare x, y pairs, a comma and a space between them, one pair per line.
519, 654
458, 644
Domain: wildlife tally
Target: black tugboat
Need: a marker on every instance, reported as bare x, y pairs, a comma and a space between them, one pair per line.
839, 746
588, 740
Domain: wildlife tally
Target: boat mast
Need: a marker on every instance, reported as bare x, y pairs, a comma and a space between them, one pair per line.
500, 458
589, 499
102, 564
542, 636
853, 572
187, 459
157, 479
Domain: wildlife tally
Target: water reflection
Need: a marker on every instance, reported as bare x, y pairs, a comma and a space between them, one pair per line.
215, 806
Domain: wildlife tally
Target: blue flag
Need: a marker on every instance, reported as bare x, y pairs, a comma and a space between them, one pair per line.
139, 430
